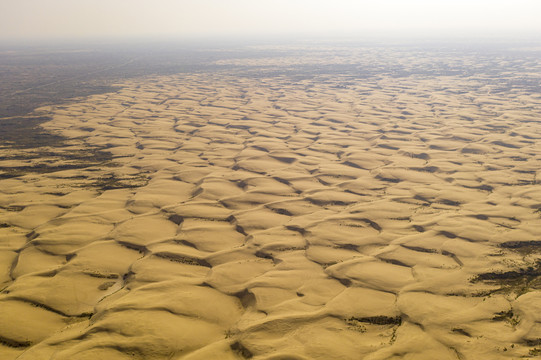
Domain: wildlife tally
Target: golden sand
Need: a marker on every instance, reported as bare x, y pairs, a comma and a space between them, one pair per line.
388, 218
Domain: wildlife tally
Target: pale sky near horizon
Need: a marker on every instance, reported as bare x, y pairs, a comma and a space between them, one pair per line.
79, 19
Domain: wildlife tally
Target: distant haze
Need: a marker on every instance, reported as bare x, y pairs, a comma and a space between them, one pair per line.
80, 19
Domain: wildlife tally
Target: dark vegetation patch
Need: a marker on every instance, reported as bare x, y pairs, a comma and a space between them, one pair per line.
387, 179
14, 343
528, 273
240, 230
280, 211
448, 234
428, 169
482, 187
519, 281
326, 202
378, 320
394, 262
175, 218
351, 247
507, 316
352, 164
31, 235
388, 147
241, 350
99, 275
372, 224
113, 182
345, 282
246, 297
471, 151
507, 145
284, 159
15, 208
533, 342
449, 202
188, 260
296, 228
264, 255
419, 249
523, 247
139, 248
452, 256
422, 156
283, 181
106, 285
260, 148
461, 332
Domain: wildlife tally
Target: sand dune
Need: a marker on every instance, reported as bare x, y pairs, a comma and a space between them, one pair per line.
250, 218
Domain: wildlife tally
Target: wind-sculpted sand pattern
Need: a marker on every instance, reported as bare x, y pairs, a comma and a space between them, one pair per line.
330, 218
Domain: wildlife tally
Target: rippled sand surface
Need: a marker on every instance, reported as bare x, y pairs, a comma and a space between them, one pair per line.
273, 218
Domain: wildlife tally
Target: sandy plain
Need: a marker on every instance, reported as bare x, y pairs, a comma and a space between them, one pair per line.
271, 218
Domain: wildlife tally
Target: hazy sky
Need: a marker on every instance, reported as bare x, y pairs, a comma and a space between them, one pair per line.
53, 19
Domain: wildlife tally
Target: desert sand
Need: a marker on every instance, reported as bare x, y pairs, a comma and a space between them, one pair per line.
271, 218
